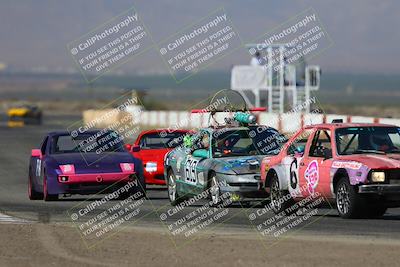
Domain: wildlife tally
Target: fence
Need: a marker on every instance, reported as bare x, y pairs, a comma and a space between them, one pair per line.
287, 122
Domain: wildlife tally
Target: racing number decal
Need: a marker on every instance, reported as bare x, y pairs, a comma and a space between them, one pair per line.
190, 170
293, 174
291, 165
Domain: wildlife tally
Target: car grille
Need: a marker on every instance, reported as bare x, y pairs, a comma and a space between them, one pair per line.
393, 175
244, 184
159, 177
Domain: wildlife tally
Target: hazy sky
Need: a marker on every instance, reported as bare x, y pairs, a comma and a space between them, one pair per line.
365, 33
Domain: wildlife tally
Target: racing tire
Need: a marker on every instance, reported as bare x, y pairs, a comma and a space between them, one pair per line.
349, 203
173, 193
46, 195
32, 193
281, 200
215, 191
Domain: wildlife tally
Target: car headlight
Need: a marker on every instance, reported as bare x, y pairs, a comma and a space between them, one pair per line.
151, 166
378, 176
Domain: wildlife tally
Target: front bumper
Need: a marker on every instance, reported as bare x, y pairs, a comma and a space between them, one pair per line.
99, 178
244, 186
154, 177
380, 189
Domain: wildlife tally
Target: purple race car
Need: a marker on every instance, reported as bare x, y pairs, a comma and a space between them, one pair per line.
86, 163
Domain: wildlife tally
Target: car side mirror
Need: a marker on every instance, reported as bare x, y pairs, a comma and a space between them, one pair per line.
200, 153
135, 148
36, 153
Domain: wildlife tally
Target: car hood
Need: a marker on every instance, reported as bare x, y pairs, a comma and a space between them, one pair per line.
239, 165
155, 155
375, 161
92, 162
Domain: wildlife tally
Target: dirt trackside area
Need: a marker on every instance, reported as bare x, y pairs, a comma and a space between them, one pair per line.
60, 245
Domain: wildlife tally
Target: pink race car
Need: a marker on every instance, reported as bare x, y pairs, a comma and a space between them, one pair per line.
356, 166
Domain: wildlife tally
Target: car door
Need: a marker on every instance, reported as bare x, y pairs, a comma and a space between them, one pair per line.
293, 159
192, 166
314, 169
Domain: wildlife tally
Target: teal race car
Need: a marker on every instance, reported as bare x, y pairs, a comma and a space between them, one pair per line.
220, 160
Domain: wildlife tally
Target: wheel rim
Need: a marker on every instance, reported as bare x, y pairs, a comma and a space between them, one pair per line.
275, 195
214, 190
343, 199
171, 187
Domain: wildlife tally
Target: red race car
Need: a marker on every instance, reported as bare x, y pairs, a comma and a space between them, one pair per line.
356, 166
151, 147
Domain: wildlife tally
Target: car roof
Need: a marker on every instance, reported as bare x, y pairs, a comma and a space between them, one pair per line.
346, 125
164, 130
90, 132
211, 129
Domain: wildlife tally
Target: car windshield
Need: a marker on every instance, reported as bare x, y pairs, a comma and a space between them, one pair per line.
227, 143
162, 140
359, 140
87, 143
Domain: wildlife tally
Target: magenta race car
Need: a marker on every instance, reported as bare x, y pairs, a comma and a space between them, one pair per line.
88, 163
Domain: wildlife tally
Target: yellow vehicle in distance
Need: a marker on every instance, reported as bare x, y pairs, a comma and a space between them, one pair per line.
23, 114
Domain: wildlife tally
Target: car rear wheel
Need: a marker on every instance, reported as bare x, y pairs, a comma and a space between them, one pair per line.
280, 199
46, 195
172, 189
348, 202
32, 193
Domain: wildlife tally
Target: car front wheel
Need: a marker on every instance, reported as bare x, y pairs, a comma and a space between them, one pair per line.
348, 202
214, 190
173, 194
280, 199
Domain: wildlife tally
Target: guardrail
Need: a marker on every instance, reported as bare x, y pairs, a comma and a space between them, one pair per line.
287, 122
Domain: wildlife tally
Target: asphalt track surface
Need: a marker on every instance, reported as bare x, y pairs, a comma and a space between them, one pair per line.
15, 146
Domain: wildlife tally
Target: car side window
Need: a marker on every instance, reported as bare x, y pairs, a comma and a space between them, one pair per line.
44, 145
299, 143
321, 144
202, 141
